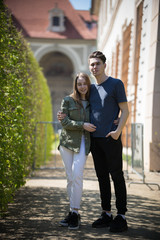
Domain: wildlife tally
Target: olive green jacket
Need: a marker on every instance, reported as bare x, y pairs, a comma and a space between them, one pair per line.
72, 125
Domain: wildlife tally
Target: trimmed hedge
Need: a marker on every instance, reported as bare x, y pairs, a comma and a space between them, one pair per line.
24, 100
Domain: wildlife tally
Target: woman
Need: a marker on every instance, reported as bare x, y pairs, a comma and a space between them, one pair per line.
75, 144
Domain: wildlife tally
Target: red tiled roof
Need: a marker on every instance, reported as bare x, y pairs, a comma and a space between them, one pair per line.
33, 16
19, 26
87, 16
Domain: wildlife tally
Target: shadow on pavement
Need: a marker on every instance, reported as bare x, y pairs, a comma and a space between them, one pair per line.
36, 212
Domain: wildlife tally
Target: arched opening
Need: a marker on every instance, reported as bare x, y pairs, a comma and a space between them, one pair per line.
58, 70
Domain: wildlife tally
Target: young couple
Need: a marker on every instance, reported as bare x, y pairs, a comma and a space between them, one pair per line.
88, 124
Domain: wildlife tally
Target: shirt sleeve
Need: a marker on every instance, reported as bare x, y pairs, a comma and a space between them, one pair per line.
120, 92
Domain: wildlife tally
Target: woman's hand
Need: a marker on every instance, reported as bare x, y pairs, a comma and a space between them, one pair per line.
89, 127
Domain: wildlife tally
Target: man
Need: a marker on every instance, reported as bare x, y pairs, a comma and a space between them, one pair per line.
107, 99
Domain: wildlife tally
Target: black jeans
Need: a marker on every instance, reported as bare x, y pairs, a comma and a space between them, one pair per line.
107, 156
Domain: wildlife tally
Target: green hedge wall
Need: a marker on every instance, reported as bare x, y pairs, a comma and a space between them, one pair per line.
24, 100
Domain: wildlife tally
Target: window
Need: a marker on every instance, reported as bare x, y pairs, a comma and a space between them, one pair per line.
126, 54
56, 20
126, 45
137, 53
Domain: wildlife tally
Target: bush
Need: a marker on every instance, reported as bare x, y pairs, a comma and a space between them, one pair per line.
24, 100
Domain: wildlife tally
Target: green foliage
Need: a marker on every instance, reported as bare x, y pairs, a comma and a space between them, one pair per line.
24, 100
127, 158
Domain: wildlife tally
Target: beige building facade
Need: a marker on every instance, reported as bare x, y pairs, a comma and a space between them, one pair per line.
129, 36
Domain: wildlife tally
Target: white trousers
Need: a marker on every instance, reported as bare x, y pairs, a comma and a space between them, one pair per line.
74, 166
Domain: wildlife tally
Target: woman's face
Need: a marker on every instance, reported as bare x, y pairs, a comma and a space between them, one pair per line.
82, 87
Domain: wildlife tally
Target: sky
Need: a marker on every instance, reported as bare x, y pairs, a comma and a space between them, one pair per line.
81, 4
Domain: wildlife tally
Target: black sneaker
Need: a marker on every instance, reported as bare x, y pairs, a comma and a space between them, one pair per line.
65, 222
74, 221
119, 224
103, 221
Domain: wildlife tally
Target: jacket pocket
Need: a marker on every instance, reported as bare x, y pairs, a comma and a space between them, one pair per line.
74, 113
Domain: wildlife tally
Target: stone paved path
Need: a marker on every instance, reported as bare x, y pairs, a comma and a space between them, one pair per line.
42, 203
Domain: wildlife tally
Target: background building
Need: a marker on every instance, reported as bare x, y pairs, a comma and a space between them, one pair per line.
129, 35
60, 37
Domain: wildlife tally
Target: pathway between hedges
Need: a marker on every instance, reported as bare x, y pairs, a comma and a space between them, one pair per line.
42, 203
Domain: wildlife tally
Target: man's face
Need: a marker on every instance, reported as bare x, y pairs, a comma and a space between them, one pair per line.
96, 66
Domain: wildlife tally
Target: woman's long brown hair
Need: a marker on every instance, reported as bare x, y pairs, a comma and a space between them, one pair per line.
76, 95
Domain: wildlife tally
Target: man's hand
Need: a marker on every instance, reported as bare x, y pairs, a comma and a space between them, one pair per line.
60, 116
114, 134
89, 127
122, 120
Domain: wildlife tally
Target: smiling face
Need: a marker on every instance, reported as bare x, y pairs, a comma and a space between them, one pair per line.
82, 87
96, 67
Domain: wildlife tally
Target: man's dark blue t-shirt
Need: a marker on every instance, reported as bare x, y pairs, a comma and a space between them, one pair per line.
104, 109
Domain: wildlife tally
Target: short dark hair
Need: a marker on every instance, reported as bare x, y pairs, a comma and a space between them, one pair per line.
98, 54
